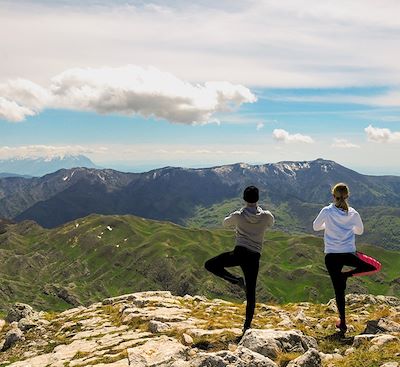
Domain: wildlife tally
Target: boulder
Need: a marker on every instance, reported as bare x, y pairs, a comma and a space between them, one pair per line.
158, 351
360, 339
187, 339
241, 357
19, 311
251, 358
309, 359
11, 338
27, 323
384, 339
158, 326
383, 325
270, 342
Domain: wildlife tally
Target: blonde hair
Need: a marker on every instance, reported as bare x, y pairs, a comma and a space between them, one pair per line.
341, 193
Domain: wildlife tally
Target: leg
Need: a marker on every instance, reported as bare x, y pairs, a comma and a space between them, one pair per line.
363, 264
217, 266
334, 264
250, 266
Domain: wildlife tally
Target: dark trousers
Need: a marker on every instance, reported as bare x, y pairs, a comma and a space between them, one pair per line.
334, 263
249, 262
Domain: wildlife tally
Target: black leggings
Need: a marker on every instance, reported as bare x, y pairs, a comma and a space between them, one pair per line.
249, 262
362, 264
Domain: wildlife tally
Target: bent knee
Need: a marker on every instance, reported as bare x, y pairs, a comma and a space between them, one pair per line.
208, 265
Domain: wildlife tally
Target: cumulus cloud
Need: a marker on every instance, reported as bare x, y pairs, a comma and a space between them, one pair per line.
46, 151
283, 136
381, 135
343, 143
124, 90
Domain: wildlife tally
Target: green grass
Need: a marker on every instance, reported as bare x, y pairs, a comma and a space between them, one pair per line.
162, 255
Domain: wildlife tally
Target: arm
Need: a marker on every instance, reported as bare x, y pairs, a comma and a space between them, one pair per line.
270, 219
319, 222
358, 227
230, 220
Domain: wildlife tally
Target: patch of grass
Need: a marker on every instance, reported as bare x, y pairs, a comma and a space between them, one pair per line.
282, 358
363, 357
79, 354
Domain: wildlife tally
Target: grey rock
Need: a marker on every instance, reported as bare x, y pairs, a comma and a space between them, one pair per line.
158, 326
270, 342
27, 323
309, 359
360, 339
253, 359
383, 325
157, 352
19, 311
11, 338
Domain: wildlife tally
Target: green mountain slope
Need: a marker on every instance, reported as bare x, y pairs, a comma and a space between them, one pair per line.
382, 223
100, 256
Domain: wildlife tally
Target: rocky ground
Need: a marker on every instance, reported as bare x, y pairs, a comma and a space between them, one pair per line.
156, 328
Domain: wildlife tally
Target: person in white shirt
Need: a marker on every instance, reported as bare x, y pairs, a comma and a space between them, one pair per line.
250, 223
341, 223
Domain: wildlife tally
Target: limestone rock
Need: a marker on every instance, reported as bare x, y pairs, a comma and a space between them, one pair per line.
270, 342
390, 364
309, 359
11, 338
19, 311
187, 339
383, 325
251, 358
360, 339
158, 326
242, 357
27, 323
384, 339
163, 350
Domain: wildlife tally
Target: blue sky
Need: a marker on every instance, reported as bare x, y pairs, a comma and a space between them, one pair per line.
132, 84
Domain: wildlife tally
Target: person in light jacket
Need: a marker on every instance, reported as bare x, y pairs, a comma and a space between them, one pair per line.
341, 223
250, 223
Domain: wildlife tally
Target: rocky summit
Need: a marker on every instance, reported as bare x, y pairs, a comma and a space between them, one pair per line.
157, 328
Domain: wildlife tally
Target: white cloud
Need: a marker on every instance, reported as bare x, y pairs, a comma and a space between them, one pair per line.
381, 135
125, 90
13, 112
343, 143
47, 151
308, 43
283, 136
259, 126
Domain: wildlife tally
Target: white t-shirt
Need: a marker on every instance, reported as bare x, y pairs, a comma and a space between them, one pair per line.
340, 228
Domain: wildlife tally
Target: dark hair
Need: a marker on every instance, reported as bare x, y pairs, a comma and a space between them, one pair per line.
250, 194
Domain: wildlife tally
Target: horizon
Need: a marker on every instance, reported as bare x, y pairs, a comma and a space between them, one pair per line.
140, 92
148, 168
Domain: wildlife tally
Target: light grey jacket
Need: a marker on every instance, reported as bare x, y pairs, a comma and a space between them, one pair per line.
251, 224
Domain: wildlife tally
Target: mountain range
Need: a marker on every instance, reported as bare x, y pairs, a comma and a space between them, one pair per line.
294, 191
39, 166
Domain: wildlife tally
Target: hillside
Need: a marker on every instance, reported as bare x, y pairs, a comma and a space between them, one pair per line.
295, 190
100, 256
148, 329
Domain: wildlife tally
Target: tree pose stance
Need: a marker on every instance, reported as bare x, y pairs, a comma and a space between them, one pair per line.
341, 223
250, 223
